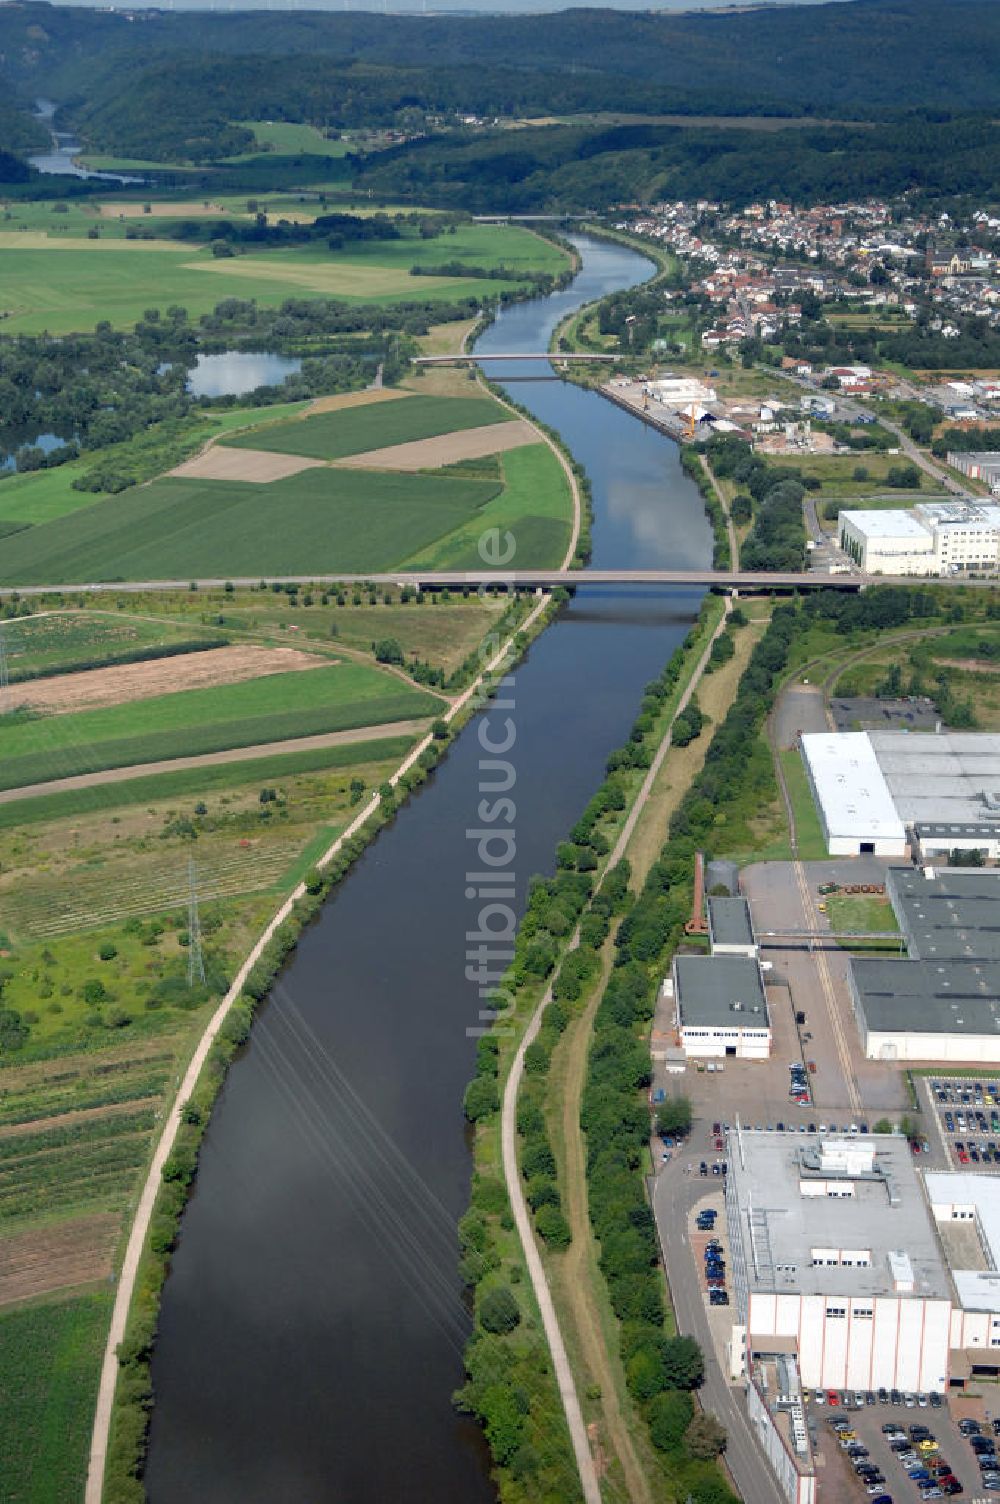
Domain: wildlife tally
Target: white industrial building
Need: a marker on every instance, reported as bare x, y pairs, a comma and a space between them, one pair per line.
851, 1270
721, 1009
836, 1259
933, 538
855, 806
966, 1209
730, 928
887, 792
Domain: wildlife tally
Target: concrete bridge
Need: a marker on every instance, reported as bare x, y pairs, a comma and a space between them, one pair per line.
474, 360
519, 579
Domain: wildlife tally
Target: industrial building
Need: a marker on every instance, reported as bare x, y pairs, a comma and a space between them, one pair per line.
984, 466
855, 806
835, 1259
852, 1270
721, 1009
887, 792
943, 1003
730, 929
933, 538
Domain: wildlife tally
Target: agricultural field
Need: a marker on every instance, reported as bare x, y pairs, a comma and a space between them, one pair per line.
97, 1013
69, 282
377, 425
46, 495
50, 1359
285, 139
276, 707
319, 521
535, 506
67, 641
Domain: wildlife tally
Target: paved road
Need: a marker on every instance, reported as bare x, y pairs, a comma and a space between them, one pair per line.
519, 579
674, 1194
211, 759
508, 1137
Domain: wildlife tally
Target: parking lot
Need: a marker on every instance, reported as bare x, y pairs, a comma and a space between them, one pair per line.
841, 1485
965, 1113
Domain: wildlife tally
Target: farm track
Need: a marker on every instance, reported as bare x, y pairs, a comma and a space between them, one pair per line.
212, 759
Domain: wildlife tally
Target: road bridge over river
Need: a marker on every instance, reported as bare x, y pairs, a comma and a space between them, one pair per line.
555, 356
521, 579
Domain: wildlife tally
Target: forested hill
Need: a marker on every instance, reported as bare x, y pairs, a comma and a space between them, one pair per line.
855, 60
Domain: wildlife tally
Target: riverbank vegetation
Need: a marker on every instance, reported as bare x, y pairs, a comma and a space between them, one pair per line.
98, 1013
580, 896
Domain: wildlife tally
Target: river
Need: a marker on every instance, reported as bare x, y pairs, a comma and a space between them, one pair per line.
313, 1321
62, 157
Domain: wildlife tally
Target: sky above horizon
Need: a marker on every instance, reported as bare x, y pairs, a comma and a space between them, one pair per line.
450, 7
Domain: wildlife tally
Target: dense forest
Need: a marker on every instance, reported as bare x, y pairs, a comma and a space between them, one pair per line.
591, 167
167, 86
849, 59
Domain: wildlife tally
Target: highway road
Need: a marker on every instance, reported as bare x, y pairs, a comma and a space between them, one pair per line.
519, 579
674, 1194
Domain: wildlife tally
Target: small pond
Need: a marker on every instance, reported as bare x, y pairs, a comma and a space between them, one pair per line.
236, 372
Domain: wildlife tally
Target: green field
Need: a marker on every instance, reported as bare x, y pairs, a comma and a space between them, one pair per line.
321, 521
44, 495
535, 507
354, 430
71, 284
74, 803
63, 641
286, 139
50, 1360
273, 708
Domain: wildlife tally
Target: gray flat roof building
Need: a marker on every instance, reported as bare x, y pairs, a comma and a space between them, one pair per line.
729, 925
952, 915
927, 997
952, 777
719, 992
793, 1201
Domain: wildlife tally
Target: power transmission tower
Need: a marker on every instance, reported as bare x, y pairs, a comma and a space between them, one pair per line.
196, 961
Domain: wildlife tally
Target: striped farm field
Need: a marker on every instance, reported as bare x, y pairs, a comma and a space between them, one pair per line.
355, 430
40, 908
321, 521
274, 708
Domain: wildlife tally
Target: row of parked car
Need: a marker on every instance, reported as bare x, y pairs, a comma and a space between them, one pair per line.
984, 1446
871, 1477
715, 1263
856, 1399
967, 1093
919, 1455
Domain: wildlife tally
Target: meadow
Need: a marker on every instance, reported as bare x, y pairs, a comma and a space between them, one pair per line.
286, 139
44, 495
50, 1359
320, 521
273, 708
535, 506
355, 430
71, 283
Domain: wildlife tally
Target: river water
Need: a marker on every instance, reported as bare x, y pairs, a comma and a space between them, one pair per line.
313, 1321
63, 154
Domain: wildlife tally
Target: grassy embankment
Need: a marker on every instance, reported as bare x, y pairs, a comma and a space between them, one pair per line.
579, 1287
493, 1257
